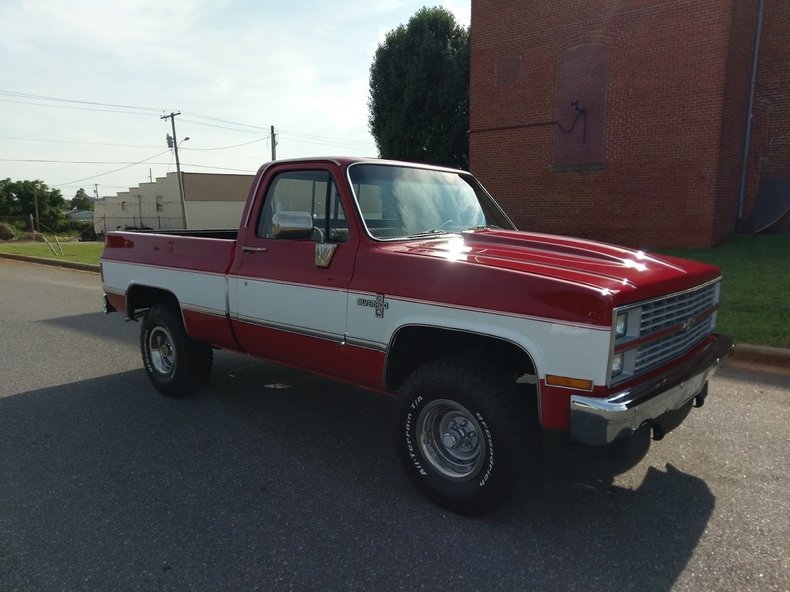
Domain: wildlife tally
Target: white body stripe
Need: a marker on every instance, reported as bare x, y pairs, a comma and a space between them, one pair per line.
556, 347
274, 303
195, 289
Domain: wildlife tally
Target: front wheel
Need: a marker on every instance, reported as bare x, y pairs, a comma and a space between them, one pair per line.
465, 433
176, 364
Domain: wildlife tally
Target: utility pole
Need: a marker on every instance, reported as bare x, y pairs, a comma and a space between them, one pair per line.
96, 190
274, 144
35, 203
172, 118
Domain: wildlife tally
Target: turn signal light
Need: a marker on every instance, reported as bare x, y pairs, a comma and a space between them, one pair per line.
566, 381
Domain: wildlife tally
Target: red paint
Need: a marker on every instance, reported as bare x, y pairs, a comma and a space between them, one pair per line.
211, 255
118, 301
213, 329
561, 279
555, 406
356, 365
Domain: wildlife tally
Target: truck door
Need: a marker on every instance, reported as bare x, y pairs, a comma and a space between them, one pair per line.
288, 296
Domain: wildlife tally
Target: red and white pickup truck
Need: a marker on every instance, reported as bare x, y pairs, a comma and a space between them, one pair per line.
410, 280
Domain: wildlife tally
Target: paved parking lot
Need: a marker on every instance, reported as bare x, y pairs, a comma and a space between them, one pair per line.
272, 479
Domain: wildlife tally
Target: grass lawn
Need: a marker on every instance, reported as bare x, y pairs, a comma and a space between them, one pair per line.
87, 252
755, 303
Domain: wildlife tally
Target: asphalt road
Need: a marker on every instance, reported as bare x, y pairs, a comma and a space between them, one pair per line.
270, 479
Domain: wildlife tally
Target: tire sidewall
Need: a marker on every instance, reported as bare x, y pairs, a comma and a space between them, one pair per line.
192, 360
150, 324
460, 495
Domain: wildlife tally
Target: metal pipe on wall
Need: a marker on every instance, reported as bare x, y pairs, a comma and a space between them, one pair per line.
750, 109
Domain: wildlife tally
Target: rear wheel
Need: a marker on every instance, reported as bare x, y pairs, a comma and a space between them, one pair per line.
176, 364
465, 433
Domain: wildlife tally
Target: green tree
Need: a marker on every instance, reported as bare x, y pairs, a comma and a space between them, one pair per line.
81, 201
17, 198
419, 91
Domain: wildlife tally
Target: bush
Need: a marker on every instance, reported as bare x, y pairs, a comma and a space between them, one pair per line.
6, 232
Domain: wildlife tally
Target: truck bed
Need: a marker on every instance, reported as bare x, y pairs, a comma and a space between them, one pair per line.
208, 251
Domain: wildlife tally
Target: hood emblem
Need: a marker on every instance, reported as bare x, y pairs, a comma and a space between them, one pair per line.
686, 327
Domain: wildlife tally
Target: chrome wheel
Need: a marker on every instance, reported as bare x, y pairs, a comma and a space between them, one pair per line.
163, 353
451, 439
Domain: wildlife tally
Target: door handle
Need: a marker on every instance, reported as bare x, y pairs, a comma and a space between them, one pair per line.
253, 250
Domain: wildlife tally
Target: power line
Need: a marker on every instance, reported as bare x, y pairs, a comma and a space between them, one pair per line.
225, 121
154, 110
332, 144
241, 131
79, 101
227, 147
323, 140
76, 108
205, 166
53, 141
47, 161
207, 121
112, 171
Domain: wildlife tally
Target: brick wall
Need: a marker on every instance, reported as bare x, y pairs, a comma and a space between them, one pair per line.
738, 74
674, 107
773, 89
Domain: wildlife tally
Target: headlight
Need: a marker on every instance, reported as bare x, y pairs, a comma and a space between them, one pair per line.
617, 364
621, 324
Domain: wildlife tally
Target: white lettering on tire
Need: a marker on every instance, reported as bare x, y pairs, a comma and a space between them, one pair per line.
490, 441
409, 445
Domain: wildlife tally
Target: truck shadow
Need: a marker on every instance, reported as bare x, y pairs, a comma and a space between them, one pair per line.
97, 324
274, 479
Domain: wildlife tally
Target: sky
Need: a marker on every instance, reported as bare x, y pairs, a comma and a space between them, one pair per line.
85, 83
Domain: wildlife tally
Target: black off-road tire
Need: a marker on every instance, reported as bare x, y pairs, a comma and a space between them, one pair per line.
467, 434
176, 364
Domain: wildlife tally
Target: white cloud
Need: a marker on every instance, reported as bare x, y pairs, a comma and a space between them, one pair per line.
302, 66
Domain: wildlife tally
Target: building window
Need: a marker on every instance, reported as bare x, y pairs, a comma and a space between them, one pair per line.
579, 109
123, 206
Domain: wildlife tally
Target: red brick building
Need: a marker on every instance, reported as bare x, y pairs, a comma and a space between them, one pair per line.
625, 120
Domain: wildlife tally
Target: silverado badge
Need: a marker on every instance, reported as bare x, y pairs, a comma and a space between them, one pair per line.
378, 303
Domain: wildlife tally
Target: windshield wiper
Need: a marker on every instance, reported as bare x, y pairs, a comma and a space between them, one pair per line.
433, 232
485, 227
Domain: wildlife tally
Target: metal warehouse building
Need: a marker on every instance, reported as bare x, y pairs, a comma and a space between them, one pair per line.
211, 201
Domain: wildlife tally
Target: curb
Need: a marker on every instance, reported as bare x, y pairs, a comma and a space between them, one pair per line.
763, 357
52, 262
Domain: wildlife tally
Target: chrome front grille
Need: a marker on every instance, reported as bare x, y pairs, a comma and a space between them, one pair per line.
660, 314
657, 352
663, 329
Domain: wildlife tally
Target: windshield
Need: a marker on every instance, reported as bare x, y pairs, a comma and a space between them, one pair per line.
403, 202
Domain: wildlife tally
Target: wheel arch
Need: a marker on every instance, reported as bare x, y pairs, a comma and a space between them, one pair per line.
141, 297
413, 345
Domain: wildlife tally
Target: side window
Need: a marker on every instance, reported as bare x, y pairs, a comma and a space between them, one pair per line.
314, 192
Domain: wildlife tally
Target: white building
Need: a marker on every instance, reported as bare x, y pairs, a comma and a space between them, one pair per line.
212, 201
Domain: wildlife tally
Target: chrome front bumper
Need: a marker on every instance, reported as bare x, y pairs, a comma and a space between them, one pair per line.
602, 421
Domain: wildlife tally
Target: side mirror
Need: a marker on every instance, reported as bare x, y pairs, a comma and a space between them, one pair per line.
299, 226
292, 225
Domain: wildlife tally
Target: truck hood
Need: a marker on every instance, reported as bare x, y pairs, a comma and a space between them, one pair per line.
623, 274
